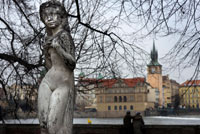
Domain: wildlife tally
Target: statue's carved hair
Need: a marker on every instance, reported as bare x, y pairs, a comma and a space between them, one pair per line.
60, 10
53, 4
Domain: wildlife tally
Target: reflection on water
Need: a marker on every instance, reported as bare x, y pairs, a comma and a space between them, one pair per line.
151, 120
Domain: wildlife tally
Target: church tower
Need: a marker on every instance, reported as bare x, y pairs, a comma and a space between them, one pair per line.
154, 73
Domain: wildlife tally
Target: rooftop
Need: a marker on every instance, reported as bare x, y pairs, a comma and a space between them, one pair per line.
191, 83
130, 82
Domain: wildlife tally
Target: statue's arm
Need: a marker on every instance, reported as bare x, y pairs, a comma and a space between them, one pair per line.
65, 48
68, 58
48, 63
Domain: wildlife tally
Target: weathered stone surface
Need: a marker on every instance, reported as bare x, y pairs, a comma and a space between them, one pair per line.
56, 91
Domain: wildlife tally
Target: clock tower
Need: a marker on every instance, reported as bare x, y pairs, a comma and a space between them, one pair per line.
154, 73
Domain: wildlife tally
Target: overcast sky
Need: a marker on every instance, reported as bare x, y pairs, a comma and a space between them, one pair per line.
163, 45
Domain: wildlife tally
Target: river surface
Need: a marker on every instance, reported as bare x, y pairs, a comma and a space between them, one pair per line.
150, 120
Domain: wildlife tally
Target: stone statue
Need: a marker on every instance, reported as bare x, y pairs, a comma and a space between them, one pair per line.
56, 91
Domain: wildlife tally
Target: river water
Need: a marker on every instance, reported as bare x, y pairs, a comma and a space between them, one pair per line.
150, 120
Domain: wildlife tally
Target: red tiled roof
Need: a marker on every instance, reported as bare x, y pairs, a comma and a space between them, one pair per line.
133, 81
108, 82
130, 82
191, 83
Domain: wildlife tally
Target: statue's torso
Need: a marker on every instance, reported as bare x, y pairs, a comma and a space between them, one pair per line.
59, 74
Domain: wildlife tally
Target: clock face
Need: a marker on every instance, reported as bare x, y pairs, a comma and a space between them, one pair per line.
153, 70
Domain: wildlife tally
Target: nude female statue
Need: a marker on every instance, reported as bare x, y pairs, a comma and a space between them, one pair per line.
56, 91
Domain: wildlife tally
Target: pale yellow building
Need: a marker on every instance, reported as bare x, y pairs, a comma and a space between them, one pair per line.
116, 96
189, 93
175, 93
22, 92
167, 101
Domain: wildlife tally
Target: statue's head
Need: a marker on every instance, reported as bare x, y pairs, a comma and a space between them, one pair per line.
52, 14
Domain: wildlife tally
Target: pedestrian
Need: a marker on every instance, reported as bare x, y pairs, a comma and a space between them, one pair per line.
138, 124
128, 126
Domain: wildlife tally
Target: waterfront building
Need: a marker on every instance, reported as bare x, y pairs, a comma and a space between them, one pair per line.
168, 89
175, 93
22, 92
189, 93
116, 96
154, 74
153, 95
85, 97
20, 100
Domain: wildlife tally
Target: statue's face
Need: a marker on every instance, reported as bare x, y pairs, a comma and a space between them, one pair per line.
51, 17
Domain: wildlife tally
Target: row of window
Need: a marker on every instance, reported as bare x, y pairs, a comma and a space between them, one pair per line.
120, 108
191, 101
188, 91
110, 99
129, 90
119, 99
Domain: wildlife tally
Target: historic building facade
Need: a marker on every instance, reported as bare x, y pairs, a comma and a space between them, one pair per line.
85, 97
175, 93
116, 96
168, 89
189, 94
113, 97
154, 74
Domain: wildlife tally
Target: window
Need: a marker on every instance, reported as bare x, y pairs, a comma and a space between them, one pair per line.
125, 99
109, 107
131, 107
120, 99
115, 107
115, 99
120, 107
124, 107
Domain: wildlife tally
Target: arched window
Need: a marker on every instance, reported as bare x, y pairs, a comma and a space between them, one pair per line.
131, 107
124, 107
120, 107
120, 99
109, 107
115, 107
115, 99
125, 99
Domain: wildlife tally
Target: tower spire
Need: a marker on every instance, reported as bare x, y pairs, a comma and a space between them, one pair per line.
154, 56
